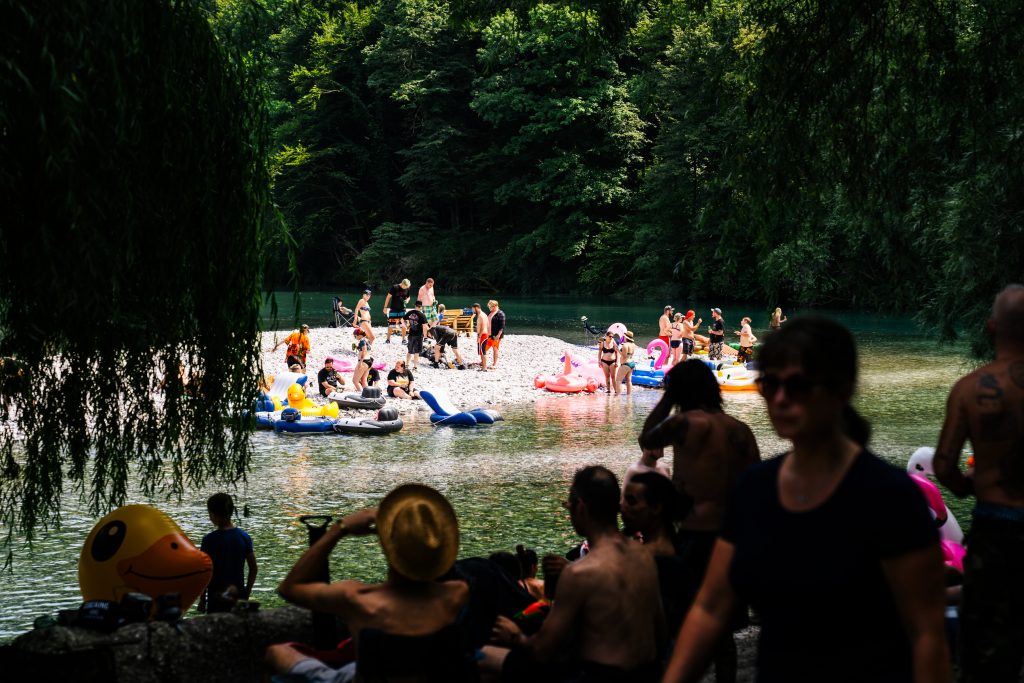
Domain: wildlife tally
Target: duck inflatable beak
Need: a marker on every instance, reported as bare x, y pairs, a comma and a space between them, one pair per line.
171, 565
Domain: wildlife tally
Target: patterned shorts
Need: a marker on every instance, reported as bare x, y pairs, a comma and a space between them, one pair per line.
431, 313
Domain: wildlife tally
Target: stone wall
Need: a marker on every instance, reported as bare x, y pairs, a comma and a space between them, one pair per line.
217, 647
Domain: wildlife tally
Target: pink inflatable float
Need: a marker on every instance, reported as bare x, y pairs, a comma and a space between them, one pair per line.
661, 347
619, 330
571, 381
952, 551
342, 364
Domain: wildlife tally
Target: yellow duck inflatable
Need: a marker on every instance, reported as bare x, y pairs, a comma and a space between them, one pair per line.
297, 399
137, 548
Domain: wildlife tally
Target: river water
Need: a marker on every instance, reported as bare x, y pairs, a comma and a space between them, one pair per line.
505, 482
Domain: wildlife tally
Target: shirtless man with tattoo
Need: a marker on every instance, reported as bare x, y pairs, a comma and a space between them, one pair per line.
987, 407
710, 451
607, 610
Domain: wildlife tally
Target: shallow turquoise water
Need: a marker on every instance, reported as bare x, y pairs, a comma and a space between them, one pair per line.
506, 481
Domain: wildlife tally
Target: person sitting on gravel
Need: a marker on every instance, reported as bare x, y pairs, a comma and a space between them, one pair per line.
329, 379
445, 336
400, 382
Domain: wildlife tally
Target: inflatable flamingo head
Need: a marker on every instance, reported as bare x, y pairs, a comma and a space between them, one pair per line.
953, 555
921, 461
933, 498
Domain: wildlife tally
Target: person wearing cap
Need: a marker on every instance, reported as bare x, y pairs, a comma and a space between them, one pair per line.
689, 327
419, 536
716, 336
298, 347
363, 309
665, 325
483, 334
624, 375
426, 295
676, 329
747, 339
394, 308
606, 616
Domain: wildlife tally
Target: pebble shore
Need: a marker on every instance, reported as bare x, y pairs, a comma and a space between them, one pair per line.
520, 359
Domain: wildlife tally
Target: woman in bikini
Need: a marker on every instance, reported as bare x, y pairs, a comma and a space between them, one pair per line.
365, 361
608, 355
363, 311
626, 364
677, 337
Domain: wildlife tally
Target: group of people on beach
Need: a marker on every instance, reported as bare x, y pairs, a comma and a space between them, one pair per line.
425, 320
833, 549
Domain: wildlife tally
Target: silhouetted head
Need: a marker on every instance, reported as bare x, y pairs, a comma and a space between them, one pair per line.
1007, 322
597, 489
692, 386
808, 377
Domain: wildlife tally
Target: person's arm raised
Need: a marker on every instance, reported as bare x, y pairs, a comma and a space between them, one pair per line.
706, 620
951, 440
302, 585
917, 584
655, 433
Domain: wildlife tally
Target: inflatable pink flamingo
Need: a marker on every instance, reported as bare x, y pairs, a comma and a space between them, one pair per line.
663, 353
920, 465
571, 381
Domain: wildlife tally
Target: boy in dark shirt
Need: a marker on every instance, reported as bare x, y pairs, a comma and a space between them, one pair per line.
329, 379
228, 547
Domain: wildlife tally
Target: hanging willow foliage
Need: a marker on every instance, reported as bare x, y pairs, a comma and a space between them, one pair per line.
133, 186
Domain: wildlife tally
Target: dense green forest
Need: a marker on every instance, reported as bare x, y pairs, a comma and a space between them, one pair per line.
860, 154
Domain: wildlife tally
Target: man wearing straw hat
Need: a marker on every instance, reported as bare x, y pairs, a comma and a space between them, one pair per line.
419, 535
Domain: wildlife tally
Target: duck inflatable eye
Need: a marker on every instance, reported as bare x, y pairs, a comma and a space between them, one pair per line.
108, 540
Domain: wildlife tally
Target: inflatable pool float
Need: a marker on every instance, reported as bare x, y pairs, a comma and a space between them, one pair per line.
386, 421
619, 330
346, 364
589, 369
297, 400
571, 381
294, 422
659, 346
446, 413
137, 548
368, 399
646, 375
266, 419
735, 377
920, 465
283, 382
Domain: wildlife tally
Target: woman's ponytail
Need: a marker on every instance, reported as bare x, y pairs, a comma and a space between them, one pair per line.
855, 426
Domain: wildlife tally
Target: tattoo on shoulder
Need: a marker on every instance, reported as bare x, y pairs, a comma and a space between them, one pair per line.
1017, 373
988, 388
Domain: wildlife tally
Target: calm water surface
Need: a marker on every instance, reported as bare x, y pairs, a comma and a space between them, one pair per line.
506, 481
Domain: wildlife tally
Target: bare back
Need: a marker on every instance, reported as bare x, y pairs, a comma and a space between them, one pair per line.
615, 603
710, 451
987, 407
419, 611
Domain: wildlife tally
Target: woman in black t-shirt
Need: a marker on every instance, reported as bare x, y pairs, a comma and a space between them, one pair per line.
834, 548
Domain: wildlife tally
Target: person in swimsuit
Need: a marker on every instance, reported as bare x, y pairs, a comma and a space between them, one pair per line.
363, 311
676, 331
608, 355
483, 334
365, 362
665, 325
747, 339
689, 327
777, 319
426, 295
626, 364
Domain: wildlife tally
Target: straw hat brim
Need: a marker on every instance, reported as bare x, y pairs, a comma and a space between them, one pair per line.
418, 532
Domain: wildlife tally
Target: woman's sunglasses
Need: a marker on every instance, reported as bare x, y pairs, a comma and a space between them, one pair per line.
797, 387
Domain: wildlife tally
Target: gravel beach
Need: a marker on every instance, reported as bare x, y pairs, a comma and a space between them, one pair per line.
521, 358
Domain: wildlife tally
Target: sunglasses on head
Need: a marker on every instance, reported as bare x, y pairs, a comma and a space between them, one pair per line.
797, 387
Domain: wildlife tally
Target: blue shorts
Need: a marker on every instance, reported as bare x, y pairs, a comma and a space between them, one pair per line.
395, 313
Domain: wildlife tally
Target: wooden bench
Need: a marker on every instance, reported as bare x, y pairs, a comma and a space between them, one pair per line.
460, 322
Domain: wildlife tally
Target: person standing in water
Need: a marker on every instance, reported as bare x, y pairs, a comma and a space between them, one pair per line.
626, 364
665, 326
608, 358
688, 341
777, 319
716, 337
987, 407
747, 339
